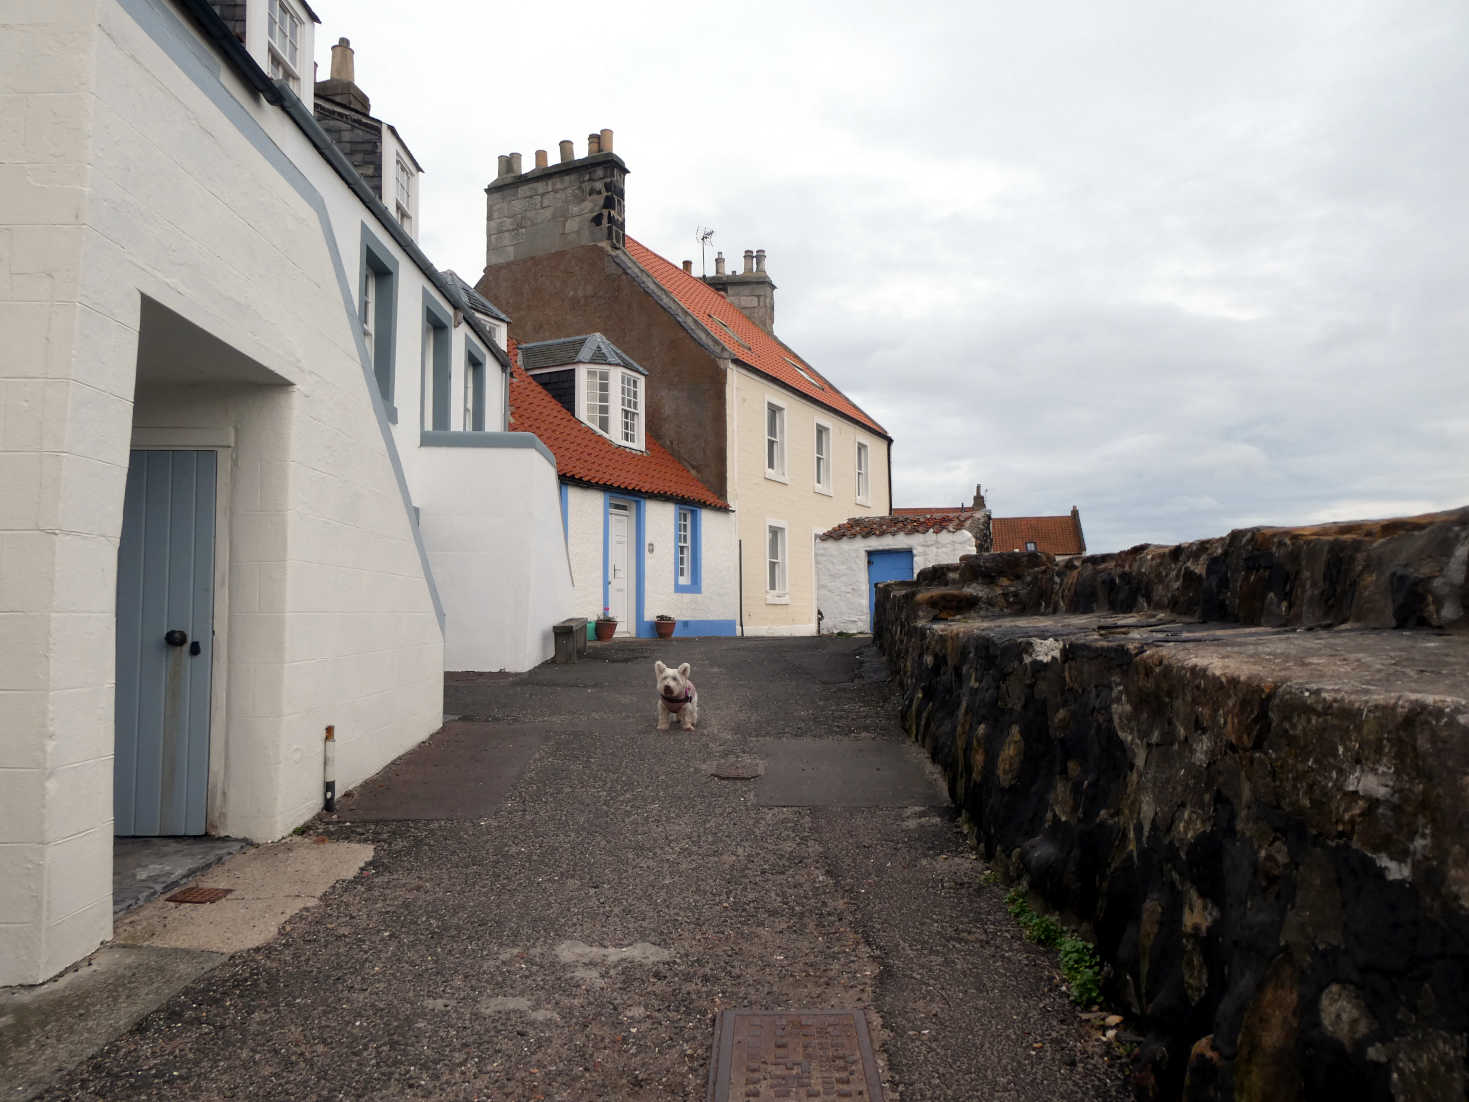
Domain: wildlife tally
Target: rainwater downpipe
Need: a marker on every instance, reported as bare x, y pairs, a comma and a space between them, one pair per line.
740, 559
329, 769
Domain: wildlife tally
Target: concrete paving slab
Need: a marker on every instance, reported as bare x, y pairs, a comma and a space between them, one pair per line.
145, 868
267, 885
48, 1029
463, 771
847, 773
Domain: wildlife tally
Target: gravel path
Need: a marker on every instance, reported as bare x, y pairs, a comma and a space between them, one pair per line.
575, 942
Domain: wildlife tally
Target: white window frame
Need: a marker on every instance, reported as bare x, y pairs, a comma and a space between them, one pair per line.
822, 460
864, 474
589, 376
777, 472
369, 304
281, 14
781, 593
403, 185
633, 380
683, 545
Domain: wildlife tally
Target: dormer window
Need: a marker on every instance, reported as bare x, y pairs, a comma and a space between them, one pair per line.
284, 24
404, 194
622, 422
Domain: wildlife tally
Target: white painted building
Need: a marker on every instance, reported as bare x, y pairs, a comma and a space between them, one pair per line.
856, 554
236, 398
644, 536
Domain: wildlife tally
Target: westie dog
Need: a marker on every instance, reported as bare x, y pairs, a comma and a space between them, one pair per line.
676, 697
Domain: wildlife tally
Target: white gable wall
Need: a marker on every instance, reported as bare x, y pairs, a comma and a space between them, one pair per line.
841, 571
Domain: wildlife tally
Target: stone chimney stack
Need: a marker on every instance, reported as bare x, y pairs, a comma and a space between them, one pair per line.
752, 290
574, 202
341, 87
980, 525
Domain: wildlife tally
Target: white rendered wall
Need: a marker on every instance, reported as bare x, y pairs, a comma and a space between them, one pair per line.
841, 571
718, 598
497, 552
128, 178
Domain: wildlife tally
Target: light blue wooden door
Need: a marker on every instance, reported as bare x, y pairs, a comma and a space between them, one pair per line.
165, 616
886, 566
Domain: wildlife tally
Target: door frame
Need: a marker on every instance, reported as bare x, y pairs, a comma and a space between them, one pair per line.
221, 441
636, 595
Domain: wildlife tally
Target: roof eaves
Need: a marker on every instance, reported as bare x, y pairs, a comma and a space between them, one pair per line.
219, 33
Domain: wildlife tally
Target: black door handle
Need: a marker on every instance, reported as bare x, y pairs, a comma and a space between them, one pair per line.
176, 637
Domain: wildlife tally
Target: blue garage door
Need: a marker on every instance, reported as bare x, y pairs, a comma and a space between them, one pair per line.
886, 566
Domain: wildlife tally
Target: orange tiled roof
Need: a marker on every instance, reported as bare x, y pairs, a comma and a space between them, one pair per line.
1054, 535
910, 524
585, 455
746, 341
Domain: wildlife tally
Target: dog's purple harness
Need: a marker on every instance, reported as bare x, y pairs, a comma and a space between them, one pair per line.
676, 706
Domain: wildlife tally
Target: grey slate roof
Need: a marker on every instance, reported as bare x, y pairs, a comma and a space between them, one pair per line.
475, 300
593, 348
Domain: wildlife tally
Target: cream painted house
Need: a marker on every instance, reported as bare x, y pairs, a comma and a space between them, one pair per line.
756, 423
238, 411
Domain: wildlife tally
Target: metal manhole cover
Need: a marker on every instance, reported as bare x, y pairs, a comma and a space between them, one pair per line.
761, 1056
200, 895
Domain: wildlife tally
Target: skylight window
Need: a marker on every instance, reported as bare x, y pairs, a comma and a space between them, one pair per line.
805, 374
723, 325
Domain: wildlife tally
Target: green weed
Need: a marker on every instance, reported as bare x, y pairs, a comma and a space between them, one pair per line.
1079, 963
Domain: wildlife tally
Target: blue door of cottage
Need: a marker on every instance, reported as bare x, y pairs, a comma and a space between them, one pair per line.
886, 566
165, 617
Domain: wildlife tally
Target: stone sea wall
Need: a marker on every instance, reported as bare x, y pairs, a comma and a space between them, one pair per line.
1242, 766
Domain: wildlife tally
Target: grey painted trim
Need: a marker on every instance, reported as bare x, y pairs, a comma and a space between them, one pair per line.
441, 371
474, 364
379, 259
164, 27
456, 439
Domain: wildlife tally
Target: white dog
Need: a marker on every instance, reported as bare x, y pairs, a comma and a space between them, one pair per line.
676, 697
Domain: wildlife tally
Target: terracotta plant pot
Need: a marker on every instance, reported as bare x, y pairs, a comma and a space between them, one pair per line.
606, 629
664, 628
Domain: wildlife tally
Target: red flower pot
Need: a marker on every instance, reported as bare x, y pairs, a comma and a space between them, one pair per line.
664, 628
606, 629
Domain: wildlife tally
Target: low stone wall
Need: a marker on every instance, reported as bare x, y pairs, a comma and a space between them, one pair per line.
1264, 827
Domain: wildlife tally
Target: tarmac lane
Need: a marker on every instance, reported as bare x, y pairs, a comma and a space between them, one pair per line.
560, 900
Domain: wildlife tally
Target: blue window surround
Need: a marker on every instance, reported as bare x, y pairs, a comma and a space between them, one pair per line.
643, 625
565, 532
380, 265
437, 319
695, 584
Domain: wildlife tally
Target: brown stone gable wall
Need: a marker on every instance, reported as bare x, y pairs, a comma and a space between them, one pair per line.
583, 290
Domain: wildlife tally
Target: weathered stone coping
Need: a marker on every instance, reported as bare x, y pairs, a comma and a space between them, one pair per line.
1266, 829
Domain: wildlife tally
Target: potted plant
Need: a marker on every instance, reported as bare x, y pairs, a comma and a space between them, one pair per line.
664, 624
606, 625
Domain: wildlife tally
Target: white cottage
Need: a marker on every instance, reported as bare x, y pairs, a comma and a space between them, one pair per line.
239, 410
854, 556
644, 536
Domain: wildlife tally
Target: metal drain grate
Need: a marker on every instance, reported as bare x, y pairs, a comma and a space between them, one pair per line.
200, 895
763, 1056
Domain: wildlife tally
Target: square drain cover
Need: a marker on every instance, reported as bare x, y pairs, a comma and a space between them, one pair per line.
762, 1056
200, 895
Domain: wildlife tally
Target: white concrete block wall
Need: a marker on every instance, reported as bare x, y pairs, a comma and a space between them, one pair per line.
841, 571
122, 175
491, 518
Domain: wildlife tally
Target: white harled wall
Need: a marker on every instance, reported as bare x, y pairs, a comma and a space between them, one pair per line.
140, 166
841, 571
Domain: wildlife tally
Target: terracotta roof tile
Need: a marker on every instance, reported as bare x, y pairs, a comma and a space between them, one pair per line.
585, 455
862, 527
746, 341
1053, 535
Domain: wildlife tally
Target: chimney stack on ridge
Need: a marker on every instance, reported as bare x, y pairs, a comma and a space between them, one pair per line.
752, 290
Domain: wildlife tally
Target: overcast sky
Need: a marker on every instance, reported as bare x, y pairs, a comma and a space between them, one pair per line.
1186, 266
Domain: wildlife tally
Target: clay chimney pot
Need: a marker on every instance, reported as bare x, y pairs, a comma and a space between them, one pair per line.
605, 143
594, 144
688, 267
504, 168
749, 262
515, 164
540, 158
719, 263
568, 149
342, 62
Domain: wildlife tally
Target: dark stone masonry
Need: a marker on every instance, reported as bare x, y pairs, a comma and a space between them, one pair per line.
1242, 766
